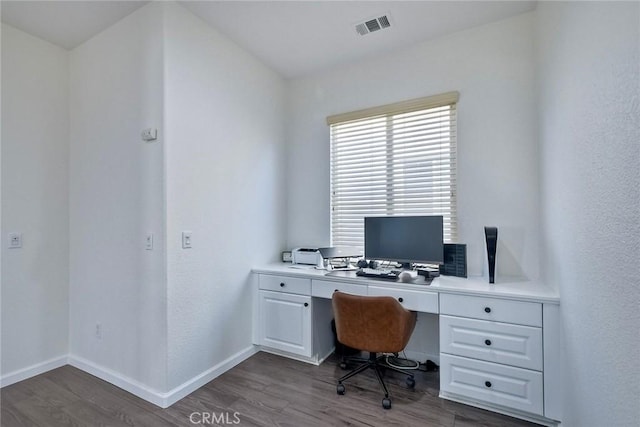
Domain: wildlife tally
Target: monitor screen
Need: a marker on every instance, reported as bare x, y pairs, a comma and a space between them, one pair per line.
406, 239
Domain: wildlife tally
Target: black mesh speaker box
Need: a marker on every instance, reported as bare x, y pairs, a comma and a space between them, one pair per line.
455, 260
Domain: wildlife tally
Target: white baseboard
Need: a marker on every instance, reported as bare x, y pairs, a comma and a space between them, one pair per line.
538, 419
117, 379
163, 400
312, 360
198, 381
32, 371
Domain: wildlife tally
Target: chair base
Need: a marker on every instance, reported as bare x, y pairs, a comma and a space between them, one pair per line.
373, 362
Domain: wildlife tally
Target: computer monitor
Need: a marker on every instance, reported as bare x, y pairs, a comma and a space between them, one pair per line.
404, 239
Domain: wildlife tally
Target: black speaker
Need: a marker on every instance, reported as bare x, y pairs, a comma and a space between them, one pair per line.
455, 260
491, 234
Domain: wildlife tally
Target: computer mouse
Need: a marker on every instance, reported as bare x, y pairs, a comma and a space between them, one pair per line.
406, 276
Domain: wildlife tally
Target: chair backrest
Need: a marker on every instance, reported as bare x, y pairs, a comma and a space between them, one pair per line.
373, 324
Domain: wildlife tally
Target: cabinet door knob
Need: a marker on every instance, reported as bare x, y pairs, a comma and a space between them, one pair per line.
487, 342
306, 304
400, 299
488, 384
282, 284
487, 309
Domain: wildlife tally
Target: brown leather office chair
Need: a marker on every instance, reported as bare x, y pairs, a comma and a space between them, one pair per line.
376, 325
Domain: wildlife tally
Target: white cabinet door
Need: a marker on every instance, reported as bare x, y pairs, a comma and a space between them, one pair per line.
285, 322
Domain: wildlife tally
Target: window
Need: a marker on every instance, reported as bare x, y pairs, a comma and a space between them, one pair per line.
398, 159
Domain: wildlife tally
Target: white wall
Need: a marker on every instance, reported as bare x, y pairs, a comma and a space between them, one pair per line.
223, 156
225, 183
116, 198
589, 66
493, 69
35, 179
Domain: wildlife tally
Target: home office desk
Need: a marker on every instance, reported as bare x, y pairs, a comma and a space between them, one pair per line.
499, 343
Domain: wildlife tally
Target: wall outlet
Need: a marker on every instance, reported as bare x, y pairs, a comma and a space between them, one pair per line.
15, 240
148, 242
186, 240
99, 330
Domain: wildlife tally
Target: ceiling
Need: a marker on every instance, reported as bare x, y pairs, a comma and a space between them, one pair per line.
295, 38
65, 23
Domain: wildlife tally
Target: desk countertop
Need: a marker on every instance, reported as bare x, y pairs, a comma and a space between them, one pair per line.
506, 287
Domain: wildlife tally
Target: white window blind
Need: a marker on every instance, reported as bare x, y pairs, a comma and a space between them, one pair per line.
398, 159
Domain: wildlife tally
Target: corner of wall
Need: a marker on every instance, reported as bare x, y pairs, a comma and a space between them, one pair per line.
35, 134
117, 198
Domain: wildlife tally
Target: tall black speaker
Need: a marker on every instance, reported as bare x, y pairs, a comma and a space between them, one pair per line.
491, 234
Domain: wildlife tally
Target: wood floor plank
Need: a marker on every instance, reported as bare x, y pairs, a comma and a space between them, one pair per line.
264, 390
12, 416
108, 398
46, 412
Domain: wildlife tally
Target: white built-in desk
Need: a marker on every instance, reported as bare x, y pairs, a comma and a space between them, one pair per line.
499, 343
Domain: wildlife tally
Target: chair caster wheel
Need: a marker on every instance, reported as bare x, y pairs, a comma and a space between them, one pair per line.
411, 383
343, 366
386, 403
340, 389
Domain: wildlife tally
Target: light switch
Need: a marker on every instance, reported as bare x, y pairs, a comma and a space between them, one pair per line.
186, 240
15, 240
150, 134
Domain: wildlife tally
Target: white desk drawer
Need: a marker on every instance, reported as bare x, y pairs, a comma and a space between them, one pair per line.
489, 382
423, 301
513, 345
326, 288
496, 309
292, 285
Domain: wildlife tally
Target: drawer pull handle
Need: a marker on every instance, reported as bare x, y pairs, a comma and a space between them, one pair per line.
487, 342
306, 304
487, 309
488, 384
400, 299
282, 284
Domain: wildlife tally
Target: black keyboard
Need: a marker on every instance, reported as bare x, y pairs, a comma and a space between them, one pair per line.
378, 274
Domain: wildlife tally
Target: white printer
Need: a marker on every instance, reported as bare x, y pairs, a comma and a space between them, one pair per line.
309, 256
323, 257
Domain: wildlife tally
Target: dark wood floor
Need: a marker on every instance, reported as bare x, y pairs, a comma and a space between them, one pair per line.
263, 390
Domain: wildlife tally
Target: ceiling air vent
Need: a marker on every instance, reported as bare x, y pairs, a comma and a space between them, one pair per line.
374, 24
